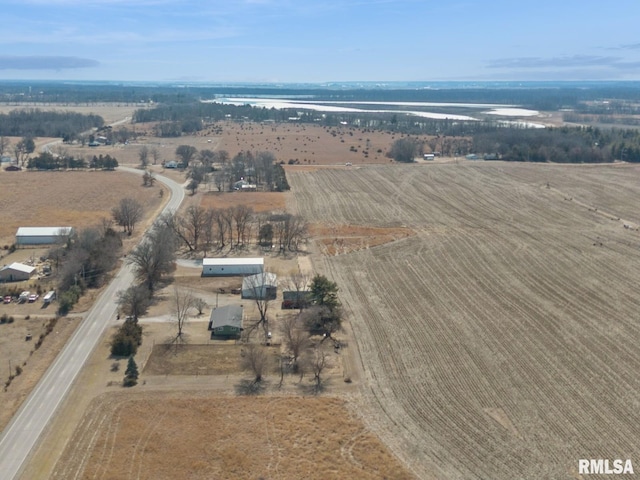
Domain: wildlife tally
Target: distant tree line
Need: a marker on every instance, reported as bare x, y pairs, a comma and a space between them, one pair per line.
50, 161
537, 95
563, 145
43, 123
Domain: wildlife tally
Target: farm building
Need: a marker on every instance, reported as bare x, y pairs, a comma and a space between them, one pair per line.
295, 299
226, 321
16, 272
263, 286
231, 267
42, 235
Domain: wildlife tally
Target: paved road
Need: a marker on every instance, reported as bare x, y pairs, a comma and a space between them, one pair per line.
22, 434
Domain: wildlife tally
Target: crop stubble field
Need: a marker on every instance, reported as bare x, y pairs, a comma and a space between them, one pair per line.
501, 340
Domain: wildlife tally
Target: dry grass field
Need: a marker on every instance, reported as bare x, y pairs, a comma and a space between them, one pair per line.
135, 436
79, 199
501, 340
306, 143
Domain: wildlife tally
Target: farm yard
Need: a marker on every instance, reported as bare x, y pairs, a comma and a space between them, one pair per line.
501, 340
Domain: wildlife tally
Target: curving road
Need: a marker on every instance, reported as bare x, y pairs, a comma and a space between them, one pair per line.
22, 434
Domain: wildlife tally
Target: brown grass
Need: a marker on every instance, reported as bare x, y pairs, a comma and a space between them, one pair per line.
258, 201
79, 199
219, 358
166, 436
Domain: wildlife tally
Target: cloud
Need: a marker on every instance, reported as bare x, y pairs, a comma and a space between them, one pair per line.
556, 62
630, 46
48, 62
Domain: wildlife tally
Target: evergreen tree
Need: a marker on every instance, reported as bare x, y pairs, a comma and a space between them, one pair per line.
131, 374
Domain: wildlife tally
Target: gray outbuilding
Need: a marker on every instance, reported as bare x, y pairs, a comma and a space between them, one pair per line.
263, 286
231, 267
16, 272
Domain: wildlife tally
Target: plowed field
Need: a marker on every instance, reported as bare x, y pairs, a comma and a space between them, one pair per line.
502, 340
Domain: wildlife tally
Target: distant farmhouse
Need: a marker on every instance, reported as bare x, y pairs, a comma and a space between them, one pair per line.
42, 235
226, 321
16, 272
231, 267
263, 286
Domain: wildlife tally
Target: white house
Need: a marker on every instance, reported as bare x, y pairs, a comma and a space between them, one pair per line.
42, 235
263, 286
231, 267
16, 272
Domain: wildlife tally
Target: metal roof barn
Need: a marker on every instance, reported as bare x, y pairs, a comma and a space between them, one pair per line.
42, 235
263, 286
231, 267
16, 272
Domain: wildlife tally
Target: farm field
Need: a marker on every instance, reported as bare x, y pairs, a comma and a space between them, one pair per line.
501, 340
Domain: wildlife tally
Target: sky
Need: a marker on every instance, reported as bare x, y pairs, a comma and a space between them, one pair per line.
297, 41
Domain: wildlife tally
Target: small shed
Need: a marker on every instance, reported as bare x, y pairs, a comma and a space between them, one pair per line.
263, 286
42, 235
226, 321
16, 272
295, 299
231, 267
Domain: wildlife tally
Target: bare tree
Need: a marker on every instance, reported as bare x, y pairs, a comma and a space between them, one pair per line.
220, 179
199, 304
299, 283
155, 256
155, 154
181, 302
318, 362
189, 227
134, 301
296, 339
227, 217
322, 320
220, 221
4, 144
143, 155
255, 359
263, 294
128, 212
242, 216
186, 154
148, 178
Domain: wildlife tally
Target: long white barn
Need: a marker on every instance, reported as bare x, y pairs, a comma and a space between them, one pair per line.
42, 235
231, 267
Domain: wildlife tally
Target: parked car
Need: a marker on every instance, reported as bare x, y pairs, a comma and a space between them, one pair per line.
24, 296
33, 297
7, 299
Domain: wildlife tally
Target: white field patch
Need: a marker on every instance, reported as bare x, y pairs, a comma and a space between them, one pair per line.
282, 104
513, 112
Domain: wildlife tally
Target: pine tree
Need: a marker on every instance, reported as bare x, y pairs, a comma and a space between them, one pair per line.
131, 374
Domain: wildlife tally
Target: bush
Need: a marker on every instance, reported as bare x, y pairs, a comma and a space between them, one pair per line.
68, 299
123, 345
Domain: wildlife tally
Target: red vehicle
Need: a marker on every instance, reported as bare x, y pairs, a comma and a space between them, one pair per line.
7, 299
